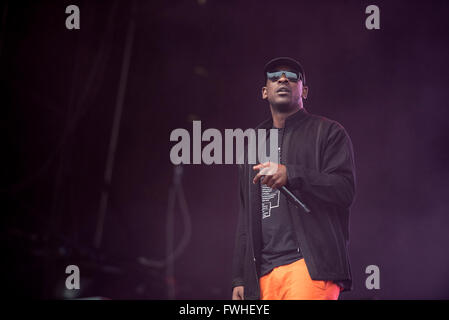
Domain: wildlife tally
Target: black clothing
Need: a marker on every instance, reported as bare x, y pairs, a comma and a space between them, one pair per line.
321, 172
279, 244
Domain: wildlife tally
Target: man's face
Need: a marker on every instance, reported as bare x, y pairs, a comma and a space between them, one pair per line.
284, 94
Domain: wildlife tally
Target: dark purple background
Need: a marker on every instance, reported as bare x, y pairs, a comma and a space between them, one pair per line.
387, 87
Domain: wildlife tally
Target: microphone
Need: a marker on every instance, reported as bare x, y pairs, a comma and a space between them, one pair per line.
290, 196
287, 193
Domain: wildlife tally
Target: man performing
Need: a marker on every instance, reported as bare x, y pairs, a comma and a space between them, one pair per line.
281, 250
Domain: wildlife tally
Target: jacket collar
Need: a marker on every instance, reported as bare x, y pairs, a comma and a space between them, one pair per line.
297, 116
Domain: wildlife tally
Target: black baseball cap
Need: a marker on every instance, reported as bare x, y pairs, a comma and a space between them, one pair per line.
285, 61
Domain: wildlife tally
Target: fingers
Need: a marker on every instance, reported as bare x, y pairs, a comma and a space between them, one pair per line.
237, 293
260, 174
240, 294
257, 177
264, 179
267, 169
261, 165
270, 181
273, 183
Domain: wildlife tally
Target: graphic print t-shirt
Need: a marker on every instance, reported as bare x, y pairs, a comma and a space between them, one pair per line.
279, 246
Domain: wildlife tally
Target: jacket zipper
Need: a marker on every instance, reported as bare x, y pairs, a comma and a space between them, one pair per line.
255, 272
252, 251
291, 219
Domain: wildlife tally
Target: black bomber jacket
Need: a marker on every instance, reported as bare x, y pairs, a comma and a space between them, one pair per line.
320, 166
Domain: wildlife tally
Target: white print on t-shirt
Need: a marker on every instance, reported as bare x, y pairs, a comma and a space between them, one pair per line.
270, 200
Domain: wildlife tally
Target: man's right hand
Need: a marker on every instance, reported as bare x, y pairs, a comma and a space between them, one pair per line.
237, 293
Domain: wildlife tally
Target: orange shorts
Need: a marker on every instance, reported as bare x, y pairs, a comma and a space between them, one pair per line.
293, 282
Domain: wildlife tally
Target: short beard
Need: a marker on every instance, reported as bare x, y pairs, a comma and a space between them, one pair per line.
285, 107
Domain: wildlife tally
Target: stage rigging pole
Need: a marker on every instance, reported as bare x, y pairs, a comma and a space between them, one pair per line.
114, 133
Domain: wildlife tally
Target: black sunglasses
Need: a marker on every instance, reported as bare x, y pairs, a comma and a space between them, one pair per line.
291, 76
